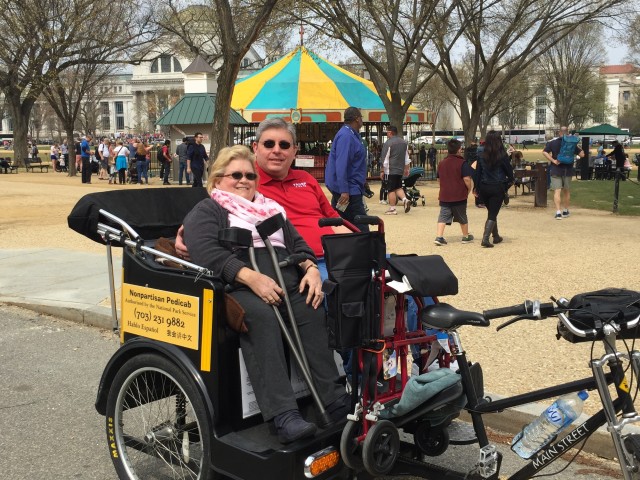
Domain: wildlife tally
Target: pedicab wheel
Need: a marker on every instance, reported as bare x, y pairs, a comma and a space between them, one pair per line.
156, 422
380, 448
349, 446
431, 441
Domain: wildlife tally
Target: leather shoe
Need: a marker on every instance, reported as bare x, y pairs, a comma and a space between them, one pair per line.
290, 426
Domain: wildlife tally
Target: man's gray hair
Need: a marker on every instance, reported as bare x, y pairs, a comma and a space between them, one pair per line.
271, 123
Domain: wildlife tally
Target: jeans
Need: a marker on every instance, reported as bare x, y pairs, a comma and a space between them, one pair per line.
141, 167
183, 170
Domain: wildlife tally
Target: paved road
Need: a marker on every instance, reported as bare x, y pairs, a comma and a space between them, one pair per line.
49, 429
50, 371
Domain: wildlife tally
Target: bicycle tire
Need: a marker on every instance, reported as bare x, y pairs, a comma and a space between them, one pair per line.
156, 423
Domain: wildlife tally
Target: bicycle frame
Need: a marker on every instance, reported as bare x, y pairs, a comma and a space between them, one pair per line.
600, 380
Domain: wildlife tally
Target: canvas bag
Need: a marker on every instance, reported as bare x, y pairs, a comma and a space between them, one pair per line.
591, 310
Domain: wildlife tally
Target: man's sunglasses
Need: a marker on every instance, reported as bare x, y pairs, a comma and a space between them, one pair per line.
238, 175
283, 144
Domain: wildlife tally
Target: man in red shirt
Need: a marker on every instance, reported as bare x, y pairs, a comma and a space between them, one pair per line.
296, 190
454, 175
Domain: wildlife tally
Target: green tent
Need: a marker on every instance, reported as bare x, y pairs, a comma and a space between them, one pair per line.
604, 129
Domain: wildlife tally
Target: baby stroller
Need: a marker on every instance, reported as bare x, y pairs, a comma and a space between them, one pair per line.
409, 186
385, 399
132, 172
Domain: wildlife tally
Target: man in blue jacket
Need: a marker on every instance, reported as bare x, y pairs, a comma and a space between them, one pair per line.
346, 169
85, 154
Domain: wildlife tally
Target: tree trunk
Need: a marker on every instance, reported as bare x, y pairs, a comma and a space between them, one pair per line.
71, 145
220, 128
20, 112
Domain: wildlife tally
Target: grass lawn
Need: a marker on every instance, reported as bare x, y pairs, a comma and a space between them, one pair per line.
598, 194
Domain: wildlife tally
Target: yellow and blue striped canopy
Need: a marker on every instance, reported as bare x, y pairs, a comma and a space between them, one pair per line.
303, 87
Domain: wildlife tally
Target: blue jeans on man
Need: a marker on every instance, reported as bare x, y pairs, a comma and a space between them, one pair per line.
183, 171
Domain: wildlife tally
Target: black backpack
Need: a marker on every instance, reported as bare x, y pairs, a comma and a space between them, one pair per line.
592, 310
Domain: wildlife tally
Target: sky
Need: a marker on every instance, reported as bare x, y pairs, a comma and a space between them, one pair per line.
616, 55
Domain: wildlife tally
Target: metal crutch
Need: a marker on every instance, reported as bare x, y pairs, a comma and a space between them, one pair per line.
243, 238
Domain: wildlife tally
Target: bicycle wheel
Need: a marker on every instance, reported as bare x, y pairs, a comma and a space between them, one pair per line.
156, 423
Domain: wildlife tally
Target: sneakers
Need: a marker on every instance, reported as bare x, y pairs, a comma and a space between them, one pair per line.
384, 202
565, 213
467, 239
391, 211
558, 216
440, 241
407, 205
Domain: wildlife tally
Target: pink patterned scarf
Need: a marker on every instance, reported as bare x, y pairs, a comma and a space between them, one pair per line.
244, 213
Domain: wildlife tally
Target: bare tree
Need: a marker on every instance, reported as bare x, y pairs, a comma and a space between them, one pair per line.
436, 98
569, 68
222, 34
389, 37
502, 39
44, 37
71, 91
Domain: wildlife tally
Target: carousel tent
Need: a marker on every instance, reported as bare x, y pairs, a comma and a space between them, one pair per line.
303, 87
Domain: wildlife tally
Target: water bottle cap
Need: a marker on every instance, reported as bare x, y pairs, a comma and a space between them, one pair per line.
583, 395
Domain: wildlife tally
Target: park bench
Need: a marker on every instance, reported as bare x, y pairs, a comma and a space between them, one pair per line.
522, 179
7, 166
33, 163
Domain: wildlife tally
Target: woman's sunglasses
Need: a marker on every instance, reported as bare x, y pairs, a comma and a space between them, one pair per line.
238, 175
283, 144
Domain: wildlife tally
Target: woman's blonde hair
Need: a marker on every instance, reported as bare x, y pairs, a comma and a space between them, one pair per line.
141, 150
224, 158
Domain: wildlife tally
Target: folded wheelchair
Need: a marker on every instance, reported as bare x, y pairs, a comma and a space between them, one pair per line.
385, 397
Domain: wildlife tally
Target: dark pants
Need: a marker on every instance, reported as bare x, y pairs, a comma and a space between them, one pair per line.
197, 176
263, 347
355, 207
493, 196
167, 169
86, 169
162, 167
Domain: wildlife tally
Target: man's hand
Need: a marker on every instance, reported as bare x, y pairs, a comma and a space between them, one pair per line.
181, 248
344, 199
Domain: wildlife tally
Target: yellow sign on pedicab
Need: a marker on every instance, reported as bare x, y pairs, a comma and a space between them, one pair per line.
160, 315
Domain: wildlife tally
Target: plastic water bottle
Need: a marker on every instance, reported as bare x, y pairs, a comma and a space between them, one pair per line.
542, 430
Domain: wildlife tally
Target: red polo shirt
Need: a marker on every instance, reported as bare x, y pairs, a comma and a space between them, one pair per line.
304, 201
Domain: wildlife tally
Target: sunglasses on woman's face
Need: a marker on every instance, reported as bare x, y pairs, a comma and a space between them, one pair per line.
238, 175
283, 144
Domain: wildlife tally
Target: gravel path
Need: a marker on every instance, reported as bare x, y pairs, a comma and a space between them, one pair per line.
540, 257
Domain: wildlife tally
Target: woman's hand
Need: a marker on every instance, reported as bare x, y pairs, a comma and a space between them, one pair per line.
312, 280
263, 286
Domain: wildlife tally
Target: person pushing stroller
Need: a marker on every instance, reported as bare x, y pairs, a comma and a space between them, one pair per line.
395, 164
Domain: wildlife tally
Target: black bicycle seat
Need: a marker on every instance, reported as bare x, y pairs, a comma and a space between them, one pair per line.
444, 316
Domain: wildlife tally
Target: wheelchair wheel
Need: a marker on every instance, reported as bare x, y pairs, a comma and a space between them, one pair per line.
381, 448
156, 422
431, 441
349, 446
